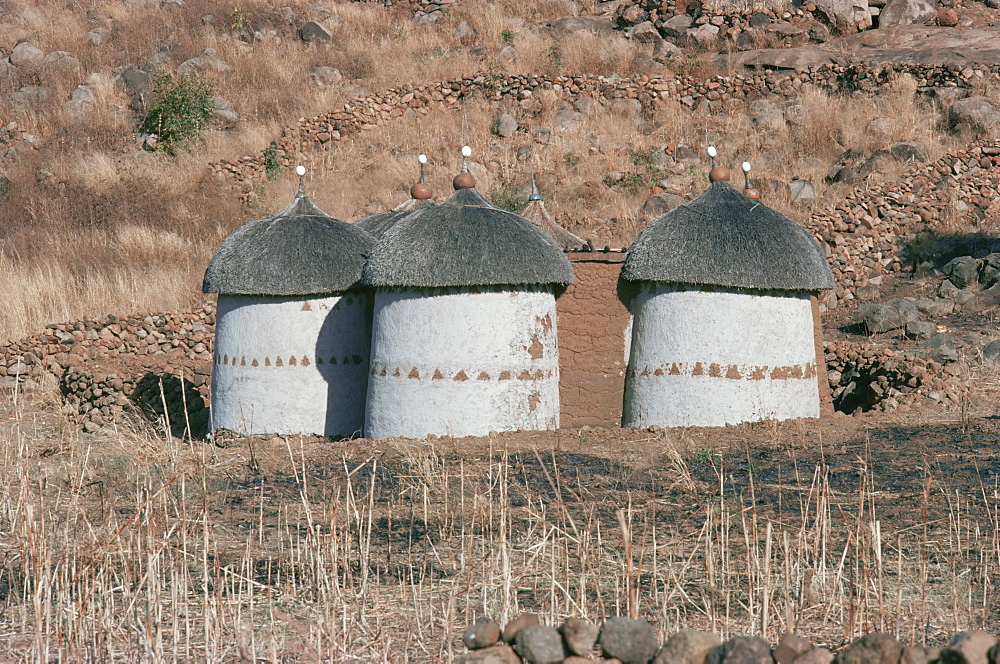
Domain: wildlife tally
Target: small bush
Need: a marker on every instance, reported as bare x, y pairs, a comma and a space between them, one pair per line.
181, 108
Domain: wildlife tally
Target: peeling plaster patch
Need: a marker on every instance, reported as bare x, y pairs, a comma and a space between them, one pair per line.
483, 376
535, 350
533, 400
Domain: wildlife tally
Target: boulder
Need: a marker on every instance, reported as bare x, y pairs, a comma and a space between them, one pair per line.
940, 348
645, 33
687, 646
312, 32
875, 317
676, 26
910, 151
631, 641
324, 77
803, 191
991, 352
986, 300
659, 204
517, 624
567, 120
579, 635
495, 655
62, 61
539, 644
484, 633
223, 113
789, 647
921, 330
703, 35
741, 650
767, 115
27, 56
934, 308
872, 648
665, 51
969, 648
962, 271
979, 113
207, 60
845, 16
97, 36
569, 25
815, 656
506, 125
906, 12
465, 30
630, 108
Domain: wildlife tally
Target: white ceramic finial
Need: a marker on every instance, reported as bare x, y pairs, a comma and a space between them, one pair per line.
712, 152
746, 166
466, 151
422, 159
300, 170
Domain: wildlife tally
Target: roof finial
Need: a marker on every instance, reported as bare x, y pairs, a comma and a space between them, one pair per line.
464, 180
300, 170
421, 190
718, 173
748, 189
535, 196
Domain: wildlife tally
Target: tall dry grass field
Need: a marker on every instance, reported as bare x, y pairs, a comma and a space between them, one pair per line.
132, 545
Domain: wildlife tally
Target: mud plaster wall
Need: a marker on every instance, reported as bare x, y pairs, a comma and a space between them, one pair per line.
592, 328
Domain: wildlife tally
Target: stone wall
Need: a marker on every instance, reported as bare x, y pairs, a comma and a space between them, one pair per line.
592, 326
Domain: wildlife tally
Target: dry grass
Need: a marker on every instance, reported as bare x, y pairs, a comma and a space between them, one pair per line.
86, 179
281, 550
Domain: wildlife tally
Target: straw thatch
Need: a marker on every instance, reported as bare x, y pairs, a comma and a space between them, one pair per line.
723, 238
536, 213
376, 224
465, 241
298, 251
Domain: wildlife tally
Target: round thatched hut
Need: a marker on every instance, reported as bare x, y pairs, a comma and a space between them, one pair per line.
464, 328
420, 196
720, 289
536, 213
292, 327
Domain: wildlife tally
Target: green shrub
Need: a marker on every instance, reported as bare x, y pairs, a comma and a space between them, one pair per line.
181, 108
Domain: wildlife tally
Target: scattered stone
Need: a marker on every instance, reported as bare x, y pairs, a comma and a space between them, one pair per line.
921, 330
803, 191
97, 36
948, 290
631, 641
893, 315
969, 648
979, 113
789, 647
815, 656
325, 77
493, 655
991, 352
223, 113
741, 650
27, 56
465, 30
539, 644
940, 348
506, 125
947, 17
872, 649
567, 120
845, 16
579, 635
906, 12
910, 151
644, 33
517, 624
484, 633
687, 646
677, 26
315, 33
703, 35
962, 271
934, 308
207, 60
659, 204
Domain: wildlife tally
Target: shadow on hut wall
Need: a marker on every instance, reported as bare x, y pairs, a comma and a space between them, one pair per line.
174, 402
343, 360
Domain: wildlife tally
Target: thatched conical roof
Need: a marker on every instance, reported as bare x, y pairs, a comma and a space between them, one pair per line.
465, 241
536, 213
376, 224
298, 251
723, 238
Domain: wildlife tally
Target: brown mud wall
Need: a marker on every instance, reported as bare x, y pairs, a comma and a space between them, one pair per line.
591, 325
